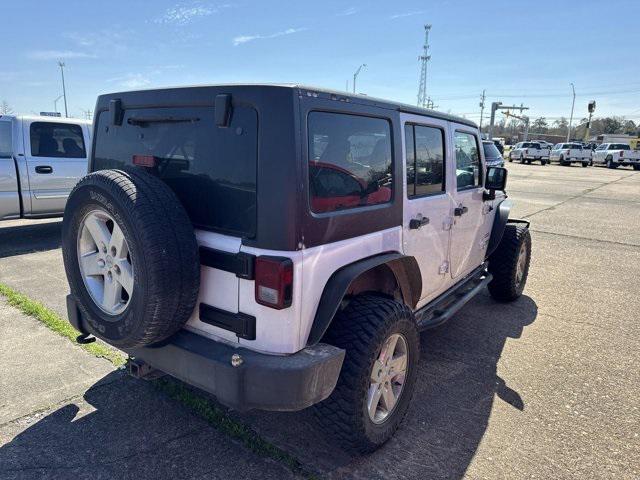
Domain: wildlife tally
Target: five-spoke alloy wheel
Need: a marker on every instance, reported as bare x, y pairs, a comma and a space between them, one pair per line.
105, 262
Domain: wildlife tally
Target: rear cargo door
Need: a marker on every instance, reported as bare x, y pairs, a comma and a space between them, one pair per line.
211, 169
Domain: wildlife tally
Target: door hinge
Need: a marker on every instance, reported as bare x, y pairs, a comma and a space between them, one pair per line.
444, 268
447, 223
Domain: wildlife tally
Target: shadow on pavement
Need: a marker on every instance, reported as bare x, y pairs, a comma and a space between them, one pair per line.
38, 237
126, 428
450, 410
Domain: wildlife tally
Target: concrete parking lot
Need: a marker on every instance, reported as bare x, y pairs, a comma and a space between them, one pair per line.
546, 387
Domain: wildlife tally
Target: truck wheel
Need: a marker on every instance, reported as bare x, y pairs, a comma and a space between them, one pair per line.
562, 162
378, 375
585, 164
509, 264
131, 257
610, 163
522, 160
636, 167
543, 162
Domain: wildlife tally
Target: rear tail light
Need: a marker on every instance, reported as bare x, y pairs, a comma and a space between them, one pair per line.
568, 152
526, 151
274, 281
621, 153
144, 161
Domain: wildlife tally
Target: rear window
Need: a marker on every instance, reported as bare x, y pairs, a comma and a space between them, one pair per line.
490, 150
5, 139
50, 139
349, 161
619, 146
212, 170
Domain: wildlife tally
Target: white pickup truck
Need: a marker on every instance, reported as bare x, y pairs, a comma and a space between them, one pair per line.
568, 153
614, 154
528, 152
41, 160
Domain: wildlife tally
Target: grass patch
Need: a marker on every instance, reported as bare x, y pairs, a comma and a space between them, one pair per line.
58, 324
216, 416
198, 404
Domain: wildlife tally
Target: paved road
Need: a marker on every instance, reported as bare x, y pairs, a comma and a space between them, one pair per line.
543, 388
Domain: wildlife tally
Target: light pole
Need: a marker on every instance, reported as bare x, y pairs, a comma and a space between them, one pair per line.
355, 75
64, 91
55, 103
573, 103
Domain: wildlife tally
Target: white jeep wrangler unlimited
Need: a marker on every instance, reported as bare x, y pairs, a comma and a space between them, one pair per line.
283, 246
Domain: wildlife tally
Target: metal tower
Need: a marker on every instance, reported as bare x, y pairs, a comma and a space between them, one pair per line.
423, 100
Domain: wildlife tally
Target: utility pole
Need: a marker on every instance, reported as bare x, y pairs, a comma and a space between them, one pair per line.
346, 89
573, 102
424, 60
482, 98
355, 75
64, 91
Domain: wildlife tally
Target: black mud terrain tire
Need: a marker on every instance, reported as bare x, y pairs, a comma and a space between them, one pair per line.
610, 163
510, 276
162, 252
362, 329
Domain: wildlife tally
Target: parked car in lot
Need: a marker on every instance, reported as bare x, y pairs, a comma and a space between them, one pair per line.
529, 152
41, 160
615, 154
282, 246
492, 154
568, 153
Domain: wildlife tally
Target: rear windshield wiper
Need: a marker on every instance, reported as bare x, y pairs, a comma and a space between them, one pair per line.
147, 120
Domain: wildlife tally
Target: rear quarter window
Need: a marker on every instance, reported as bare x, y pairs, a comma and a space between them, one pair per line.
212, 170
49, 139
5, 140
350, 161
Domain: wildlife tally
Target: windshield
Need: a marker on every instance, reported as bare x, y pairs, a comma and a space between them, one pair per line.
490, 150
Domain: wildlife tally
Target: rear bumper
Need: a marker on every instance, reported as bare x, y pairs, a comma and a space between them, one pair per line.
260, 381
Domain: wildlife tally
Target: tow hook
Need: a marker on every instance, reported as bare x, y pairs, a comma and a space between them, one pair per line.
142, 370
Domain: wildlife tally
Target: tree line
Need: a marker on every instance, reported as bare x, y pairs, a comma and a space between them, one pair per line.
599, 126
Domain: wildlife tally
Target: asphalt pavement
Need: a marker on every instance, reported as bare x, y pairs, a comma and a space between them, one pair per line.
545, 387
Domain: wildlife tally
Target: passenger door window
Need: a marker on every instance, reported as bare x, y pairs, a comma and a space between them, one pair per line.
350, 161
50, 139
425, 160
468, 166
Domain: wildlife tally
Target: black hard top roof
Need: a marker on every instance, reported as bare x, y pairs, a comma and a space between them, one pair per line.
316, 92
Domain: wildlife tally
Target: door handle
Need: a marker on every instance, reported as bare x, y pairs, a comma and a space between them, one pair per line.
44, 169
418, 222
461, 210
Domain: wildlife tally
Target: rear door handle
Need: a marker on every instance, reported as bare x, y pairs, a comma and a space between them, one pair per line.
461, 210
44, 169
418, 222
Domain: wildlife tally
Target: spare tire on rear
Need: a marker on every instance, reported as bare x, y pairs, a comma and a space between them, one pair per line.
131, 257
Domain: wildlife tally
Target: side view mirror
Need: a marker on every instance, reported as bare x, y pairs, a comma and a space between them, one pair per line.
496, 180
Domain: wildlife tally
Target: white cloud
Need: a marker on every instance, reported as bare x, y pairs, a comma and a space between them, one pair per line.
59, 54
347, 12
183, 14
131, 80
250, 38
406, 14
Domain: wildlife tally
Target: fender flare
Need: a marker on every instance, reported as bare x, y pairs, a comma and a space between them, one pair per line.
499, 223
404, 268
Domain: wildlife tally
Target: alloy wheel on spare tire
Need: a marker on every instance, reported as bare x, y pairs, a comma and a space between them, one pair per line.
131, 257
378, 374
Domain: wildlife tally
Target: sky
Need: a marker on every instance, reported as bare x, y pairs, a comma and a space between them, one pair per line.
518, 51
